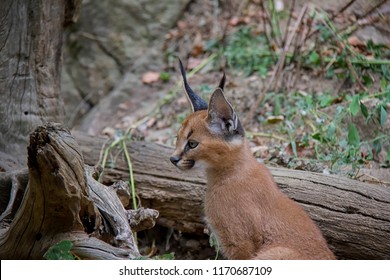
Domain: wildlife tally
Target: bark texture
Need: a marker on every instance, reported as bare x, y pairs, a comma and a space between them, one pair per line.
30, 70
63, 201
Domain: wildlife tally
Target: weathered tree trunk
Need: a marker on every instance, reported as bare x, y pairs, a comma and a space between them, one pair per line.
354, 216
30, 66
62, 201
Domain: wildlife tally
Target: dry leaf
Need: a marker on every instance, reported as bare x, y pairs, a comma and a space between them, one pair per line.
275, 119
234, 21
260, 151
197, 50
150, 77
356, 42
181, 24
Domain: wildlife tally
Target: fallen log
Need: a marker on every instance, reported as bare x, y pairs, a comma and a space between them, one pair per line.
353, 216
62, 201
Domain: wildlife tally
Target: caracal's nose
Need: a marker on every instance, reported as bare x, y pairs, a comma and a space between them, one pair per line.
174, 159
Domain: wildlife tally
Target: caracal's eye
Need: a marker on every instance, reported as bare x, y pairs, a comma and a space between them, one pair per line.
192, 144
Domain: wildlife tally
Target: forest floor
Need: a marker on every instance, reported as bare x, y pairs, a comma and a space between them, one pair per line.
323, 110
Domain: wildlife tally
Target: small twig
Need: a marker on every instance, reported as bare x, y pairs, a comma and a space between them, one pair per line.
367, 19
343, 9
373, 179
288, 22
282, 58
333, 17
373, 8
338, 89
275, 24
354, 74
298, 47
267, 18
264, 15
278, 66
342, 45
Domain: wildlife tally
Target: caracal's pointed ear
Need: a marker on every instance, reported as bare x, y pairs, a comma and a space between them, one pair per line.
197, 103
222, 119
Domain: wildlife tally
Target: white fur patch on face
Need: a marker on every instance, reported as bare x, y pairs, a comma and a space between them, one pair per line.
201, 164
237, 141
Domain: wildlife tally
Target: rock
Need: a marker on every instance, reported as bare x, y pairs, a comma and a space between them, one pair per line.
111, 38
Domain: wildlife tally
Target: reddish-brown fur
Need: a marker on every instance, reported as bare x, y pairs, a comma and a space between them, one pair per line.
250, 216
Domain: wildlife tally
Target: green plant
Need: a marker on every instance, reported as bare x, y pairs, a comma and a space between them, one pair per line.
165, 76
60, 251
214, 243
120, 142
326, 122
249, 52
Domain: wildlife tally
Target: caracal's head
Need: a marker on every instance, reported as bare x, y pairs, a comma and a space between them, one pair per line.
210, 133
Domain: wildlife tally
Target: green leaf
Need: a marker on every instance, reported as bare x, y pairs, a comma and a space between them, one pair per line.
294, 148
353, 135
388, 155
331, 131
377, 146
317, 136
386, 71
383, 83
364, 110
325, 100
354, 105
165, 76
314, 58
60, 251
383, 116
367, 81
167, 256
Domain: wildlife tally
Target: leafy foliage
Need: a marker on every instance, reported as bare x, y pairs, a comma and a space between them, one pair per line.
328, 123
60, 251
249, 52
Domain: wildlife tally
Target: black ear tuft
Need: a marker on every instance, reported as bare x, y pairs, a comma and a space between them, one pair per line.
222, 81
197, 103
